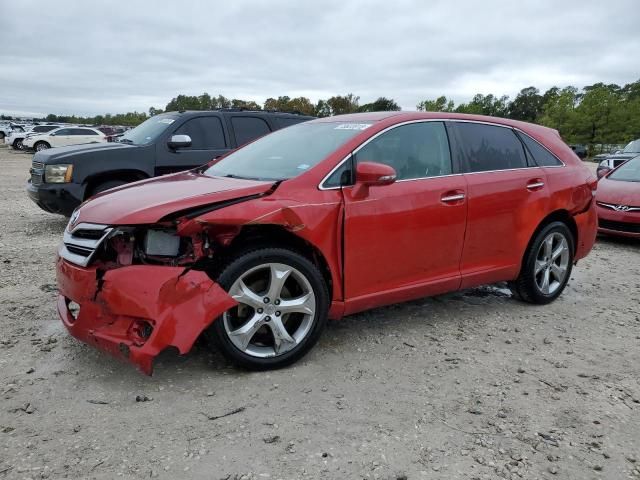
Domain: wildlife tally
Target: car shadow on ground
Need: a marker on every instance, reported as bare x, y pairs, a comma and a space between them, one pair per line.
622, 241
423, 317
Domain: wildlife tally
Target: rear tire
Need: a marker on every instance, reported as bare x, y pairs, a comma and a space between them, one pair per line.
547, 265
39, 146
283, 303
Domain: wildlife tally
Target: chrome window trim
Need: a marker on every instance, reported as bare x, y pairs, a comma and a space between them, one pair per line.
362, 145
425, 120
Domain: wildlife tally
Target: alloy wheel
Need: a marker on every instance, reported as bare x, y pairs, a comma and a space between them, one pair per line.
275, 312
552, 263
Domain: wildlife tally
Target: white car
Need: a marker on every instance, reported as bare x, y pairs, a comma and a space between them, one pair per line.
62, 137
16, 137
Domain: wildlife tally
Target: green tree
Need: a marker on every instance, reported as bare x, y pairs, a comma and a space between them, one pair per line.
527, 105
440, 104
382, 104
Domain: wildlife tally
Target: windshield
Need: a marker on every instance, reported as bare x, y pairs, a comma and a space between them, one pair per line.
627, 172
148, 130
286, 153
632, 147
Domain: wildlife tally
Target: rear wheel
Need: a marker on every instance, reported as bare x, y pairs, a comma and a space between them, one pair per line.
282, 309
17, 144
547, 266
41, 146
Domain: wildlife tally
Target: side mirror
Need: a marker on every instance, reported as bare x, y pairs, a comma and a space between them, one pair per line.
179, 141
602, 172
374, 174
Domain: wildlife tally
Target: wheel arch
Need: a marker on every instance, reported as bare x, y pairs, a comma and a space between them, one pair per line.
273, 235
128, 175
556, 216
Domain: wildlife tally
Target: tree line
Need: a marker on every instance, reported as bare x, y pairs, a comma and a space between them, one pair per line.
596, 114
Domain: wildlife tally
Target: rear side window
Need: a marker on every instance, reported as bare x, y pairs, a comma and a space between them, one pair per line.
541, 156
248, 128
488, 147
82, 131
206, 133
63, 131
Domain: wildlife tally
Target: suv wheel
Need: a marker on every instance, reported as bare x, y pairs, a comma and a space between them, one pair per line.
282, 309
17, 144
547, 266
101, 187
41, 146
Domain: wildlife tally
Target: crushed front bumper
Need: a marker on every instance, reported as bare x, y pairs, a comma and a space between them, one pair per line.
138, 311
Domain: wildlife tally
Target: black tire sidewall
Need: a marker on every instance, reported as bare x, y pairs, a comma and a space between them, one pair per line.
251, 259
104, 186
527, 277
35, 147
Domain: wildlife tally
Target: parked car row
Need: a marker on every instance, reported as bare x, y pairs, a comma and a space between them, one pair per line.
41, 137
257, 248
613, 160
165, 143
16, 138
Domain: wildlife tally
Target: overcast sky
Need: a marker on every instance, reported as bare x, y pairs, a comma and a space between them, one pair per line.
90, 57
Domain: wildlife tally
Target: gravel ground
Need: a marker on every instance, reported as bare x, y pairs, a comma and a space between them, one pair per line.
469, 385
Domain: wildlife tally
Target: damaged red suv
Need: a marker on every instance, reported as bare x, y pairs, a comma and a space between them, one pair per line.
256, 250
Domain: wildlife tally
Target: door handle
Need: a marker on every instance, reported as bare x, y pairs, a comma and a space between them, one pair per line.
535, 184
451, 197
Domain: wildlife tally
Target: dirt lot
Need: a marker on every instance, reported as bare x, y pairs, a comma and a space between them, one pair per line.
469, 385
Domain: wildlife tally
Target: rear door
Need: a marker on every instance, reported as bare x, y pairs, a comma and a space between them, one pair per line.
208, 141
404, 240
507, 198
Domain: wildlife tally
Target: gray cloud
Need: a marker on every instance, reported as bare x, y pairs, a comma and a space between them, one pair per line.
91, 57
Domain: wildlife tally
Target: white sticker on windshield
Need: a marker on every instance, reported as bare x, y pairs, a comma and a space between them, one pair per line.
168, 121
303, 166
353, 126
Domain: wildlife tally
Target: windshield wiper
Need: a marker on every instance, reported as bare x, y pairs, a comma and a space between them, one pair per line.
125, 140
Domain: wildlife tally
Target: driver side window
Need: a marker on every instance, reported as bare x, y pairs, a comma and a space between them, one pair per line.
415, 150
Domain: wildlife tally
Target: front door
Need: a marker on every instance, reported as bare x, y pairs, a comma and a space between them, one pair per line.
404, 240
208, 141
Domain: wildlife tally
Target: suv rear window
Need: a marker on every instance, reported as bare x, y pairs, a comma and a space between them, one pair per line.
487, 147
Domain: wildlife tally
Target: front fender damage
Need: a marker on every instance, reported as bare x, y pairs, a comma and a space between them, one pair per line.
138, 311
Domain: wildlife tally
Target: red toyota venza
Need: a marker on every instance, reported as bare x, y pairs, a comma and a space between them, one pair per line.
256, 250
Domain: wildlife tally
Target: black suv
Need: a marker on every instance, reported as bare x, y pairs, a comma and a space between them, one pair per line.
62, 178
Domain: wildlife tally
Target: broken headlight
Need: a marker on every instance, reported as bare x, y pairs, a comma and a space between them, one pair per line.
161, 243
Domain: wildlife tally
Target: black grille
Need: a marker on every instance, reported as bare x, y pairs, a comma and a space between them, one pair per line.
619, 226
89, 234
85, 252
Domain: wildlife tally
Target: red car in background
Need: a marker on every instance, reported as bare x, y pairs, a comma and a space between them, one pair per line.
319, 220
618, 201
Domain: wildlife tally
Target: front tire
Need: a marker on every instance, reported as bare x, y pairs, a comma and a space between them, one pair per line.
283, 303
41, 146
17, 144
547, 265
104, 186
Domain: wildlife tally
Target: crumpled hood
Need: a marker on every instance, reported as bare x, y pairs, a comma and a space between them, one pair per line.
148, 201
618, 192
74, 152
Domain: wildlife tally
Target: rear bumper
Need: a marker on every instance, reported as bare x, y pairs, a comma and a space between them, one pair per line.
587, 224
136, 312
